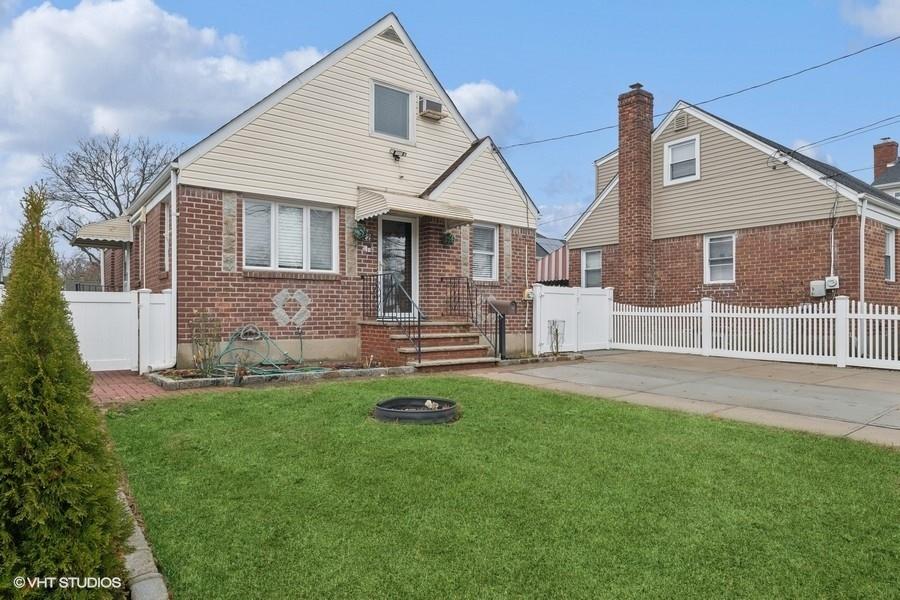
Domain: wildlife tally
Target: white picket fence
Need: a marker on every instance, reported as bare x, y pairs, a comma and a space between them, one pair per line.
836, 332
122, 330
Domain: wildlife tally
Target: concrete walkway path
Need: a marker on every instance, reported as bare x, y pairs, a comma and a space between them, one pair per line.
862, 404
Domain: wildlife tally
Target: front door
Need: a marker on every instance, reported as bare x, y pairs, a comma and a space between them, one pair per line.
398, 255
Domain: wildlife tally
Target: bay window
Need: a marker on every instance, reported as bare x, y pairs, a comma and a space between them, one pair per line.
289, 237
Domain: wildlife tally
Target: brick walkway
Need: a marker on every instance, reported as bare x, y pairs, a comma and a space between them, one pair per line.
121, 387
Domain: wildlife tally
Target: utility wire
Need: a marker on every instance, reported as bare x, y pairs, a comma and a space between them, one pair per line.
893, 119
720, 97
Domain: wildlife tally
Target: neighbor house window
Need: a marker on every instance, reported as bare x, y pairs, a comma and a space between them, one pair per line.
484, 252
289, 236
718, 258
890, 247
391, 111
591, 268
682, 160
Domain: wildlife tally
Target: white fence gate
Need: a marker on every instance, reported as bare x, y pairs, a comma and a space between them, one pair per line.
571, 319
122, 330
837, 332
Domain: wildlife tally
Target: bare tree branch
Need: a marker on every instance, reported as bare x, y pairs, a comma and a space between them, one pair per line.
100, 178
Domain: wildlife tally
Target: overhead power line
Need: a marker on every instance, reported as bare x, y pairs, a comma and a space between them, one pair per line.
887, 121
716, 98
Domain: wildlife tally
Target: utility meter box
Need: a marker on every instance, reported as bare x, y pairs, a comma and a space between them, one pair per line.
832, 282
817, 288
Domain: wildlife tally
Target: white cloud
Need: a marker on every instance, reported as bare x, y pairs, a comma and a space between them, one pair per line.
815, 153
488, 109
129, 65
881, 18
556, 218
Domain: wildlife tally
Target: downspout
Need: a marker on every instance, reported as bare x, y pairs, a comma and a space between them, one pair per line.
862, 248
173, 255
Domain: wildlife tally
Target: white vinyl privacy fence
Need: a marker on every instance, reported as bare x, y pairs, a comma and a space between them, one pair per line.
836, 332
122, 330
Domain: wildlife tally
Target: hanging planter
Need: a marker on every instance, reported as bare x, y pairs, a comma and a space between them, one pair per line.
360, 233
448, 239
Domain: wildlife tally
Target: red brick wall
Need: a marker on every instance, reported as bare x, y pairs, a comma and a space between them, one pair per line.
774, 265
635, 129
242, 297
877, 289
114, 269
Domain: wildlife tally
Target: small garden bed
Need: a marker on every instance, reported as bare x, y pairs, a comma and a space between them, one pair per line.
187, 379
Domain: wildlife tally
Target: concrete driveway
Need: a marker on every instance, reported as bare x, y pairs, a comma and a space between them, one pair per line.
862, 404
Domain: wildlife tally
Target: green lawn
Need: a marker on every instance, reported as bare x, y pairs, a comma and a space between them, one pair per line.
296, 492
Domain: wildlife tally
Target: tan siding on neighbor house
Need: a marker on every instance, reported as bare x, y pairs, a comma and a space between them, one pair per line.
737, 189
315, 145
604, 172
486, 190
601, 227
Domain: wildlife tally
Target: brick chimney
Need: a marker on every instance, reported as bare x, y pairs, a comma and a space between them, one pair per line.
885, 153
635, 129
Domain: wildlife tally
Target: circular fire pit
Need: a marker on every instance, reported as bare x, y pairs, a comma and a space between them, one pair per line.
416, 410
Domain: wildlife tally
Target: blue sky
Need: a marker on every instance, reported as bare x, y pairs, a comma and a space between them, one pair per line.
553, 68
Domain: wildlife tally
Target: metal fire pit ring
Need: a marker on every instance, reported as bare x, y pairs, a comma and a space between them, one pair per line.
411, 409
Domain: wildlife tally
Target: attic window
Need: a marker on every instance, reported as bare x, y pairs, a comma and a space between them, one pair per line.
681, 160
392, 112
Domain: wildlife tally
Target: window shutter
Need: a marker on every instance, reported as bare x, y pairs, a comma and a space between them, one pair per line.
290, 237
258, 234
321, 240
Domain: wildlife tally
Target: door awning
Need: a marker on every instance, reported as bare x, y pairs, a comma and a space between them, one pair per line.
372, 203
113, 233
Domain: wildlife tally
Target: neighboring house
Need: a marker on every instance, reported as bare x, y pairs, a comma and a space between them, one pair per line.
887, 167
359, 166
700, 207
546, 245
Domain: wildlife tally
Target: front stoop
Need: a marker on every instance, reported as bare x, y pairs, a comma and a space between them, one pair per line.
446, 344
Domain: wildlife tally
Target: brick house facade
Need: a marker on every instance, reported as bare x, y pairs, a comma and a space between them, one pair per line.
437, 186
792, 220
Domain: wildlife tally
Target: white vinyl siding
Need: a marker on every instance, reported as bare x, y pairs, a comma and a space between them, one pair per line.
484, 252
280, 236
486, 190
718, 258
591, 268
391, 112
890, 251
316, 145
682, 160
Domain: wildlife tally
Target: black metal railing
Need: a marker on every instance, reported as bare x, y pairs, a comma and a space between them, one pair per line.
465, 298
94, 287
385, 299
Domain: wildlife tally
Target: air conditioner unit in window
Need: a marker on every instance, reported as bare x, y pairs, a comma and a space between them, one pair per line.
431, 109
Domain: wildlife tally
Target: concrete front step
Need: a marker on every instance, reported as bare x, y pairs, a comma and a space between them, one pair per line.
454, 364
462, 351
441, 340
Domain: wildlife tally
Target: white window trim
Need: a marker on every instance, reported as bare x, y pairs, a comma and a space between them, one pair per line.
706, 238
411, 114
273, 237
891, 250
495, 266
667, 160
584, 254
